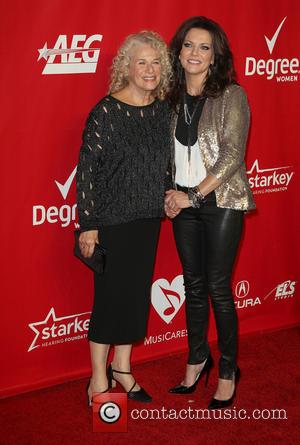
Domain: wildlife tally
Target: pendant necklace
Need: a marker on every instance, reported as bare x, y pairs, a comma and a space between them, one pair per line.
187, 116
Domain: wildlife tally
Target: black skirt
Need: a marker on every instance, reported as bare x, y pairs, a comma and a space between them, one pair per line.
122, 293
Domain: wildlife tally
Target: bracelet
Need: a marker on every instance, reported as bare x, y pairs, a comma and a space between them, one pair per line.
196, 198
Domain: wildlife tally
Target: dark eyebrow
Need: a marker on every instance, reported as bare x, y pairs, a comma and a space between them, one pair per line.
202, 43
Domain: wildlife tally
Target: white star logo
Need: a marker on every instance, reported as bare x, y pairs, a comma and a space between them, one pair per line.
37, 331
44, 52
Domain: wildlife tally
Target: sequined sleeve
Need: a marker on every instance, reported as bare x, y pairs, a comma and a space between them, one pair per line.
90, 157
235, 132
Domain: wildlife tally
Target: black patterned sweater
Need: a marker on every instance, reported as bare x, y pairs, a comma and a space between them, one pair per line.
122, 172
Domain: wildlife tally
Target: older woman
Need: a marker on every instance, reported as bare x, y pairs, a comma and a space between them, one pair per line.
210, 195
121, 185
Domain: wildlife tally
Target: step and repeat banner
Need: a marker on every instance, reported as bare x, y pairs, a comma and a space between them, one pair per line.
55, 66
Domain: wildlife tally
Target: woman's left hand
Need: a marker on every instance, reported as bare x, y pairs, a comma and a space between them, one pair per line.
177, 200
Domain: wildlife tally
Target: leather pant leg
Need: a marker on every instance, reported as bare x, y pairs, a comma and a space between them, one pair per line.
207, 241
190, 241
223, 229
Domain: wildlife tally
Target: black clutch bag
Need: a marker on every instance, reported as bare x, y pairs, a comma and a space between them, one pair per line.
97, 261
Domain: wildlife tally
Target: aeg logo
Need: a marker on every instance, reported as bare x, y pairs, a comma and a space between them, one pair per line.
64, 214
285, 70
80, 57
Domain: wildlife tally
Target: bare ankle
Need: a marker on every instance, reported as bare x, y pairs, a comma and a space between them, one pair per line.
120, 366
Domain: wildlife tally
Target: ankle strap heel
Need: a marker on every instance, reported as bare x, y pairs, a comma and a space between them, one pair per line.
140, 396
110, 377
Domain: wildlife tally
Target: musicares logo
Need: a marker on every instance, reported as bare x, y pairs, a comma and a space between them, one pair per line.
80, 57
268, 180
167, 298
56, 330
284, 70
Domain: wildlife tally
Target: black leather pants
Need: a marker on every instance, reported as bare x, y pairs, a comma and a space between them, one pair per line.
207, 241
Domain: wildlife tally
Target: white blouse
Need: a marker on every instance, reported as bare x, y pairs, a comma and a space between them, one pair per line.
188, 176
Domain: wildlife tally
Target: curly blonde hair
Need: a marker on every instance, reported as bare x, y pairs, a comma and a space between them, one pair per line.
121, 62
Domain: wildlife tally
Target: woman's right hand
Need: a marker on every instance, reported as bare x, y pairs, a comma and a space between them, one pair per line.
87, 241
171, 213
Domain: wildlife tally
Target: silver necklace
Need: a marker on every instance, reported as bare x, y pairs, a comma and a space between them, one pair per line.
187, 116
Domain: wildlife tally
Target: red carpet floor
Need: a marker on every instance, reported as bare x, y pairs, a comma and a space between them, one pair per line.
269, 364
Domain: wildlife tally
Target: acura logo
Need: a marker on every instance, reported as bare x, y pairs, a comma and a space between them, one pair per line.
242, 289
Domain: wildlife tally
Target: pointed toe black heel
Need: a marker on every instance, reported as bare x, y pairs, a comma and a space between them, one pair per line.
90, 397
139, 396
182, 389
220, 404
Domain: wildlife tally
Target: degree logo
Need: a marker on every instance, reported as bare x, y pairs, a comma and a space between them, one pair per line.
63, 214
271, 42
282, 69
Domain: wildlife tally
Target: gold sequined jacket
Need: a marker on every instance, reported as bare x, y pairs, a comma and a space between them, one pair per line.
222, 135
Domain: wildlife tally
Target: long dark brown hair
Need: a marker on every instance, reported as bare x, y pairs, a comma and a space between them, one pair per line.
221, 73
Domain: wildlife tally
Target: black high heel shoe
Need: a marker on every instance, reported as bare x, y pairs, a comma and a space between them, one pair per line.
219, 404
182, 389
89, 398
140, 396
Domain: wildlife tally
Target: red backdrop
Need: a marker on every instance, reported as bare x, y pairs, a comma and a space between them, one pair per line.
46, 292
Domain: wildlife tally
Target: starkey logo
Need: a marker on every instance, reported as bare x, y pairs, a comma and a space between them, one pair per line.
55, 330
269, 180
80, 57
283, 69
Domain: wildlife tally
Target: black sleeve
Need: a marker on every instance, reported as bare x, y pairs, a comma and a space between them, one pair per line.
168, 141
90, 156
